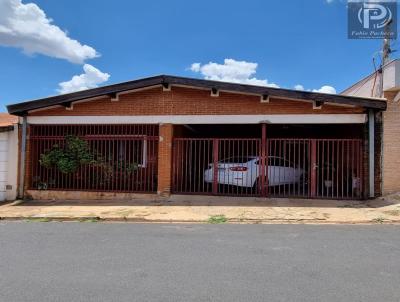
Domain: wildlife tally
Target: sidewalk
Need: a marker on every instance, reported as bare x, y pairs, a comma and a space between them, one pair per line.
194, 209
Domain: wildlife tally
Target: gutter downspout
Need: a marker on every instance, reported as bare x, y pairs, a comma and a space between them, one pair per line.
371, 152
23, 155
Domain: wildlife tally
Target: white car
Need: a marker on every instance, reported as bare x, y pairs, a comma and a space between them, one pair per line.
244, 171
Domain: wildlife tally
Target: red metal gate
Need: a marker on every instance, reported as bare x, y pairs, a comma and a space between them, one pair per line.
124, 158
281, 167
337, 168
198, 163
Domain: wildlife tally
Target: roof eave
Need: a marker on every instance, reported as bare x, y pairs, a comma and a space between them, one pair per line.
22, 108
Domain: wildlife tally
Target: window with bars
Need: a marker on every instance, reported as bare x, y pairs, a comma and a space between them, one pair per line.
124, 158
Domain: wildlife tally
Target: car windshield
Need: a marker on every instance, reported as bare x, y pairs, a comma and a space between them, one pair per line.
237, 159
272, 160
278, 161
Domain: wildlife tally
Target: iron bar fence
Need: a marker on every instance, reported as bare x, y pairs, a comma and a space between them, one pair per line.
279, 167
124, 158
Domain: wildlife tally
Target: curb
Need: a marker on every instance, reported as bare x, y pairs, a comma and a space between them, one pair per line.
230, 221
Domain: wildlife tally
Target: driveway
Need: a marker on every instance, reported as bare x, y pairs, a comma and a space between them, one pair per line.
74, 261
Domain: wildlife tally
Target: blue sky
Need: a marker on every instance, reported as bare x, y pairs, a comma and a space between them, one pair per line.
292, 42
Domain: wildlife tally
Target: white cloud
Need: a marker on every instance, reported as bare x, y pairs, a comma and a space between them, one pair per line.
231, 71
195, 67
242, 72
299, 87
90, 79
323, 89
326, 89
26, 26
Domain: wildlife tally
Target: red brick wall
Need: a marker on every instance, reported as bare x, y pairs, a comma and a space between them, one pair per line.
187, 101
391, 145
165, 159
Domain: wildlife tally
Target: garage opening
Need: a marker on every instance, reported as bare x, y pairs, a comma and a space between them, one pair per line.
318, 161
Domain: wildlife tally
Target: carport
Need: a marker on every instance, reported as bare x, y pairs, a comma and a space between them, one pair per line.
270, 160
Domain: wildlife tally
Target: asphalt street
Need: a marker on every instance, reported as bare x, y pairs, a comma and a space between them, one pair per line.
74, 261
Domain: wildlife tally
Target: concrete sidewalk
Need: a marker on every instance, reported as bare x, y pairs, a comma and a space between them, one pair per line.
195, 209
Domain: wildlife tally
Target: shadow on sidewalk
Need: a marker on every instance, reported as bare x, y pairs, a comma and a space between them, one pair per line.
223, 201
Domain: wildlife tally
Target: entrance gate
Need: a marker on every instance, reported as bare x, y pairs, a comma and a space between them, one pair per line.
277, 167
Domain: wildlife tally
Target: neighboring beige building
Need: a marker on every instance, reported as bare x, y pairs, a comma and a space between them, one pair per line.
8, 156
390, 121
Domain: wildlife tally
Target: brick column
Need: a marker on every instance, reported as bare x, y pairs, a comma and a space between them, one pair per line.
165, 160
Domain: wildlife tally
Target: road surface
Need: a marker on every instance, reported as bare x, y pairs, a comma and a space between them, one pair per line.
180, 262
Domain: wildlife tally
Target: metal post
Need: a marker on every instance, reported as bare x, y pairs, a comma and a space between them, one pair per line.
313, 169
371, 153
264, 160
215, 166
22, 164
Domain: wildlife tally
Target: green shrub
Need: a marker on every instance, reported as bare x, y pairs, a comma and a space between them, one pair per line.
68, 159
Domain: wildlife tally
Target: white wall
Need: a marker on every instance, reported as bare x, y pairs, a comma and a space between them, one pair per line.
3, 164
8, 164
12, 163
203, 119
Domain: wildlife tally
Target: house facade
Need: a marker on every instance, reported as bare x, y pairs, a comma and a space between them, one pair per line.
388, 120
171, 135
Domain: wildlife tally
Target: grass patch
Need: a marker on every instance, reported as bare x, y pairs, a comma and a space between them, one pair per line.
38, 219
216, 219
378, 220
